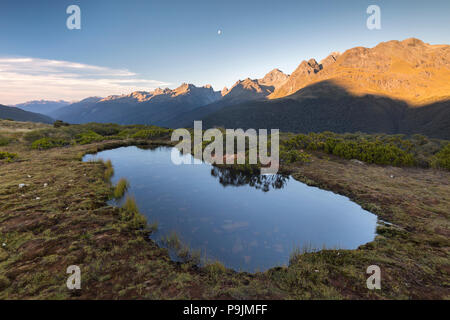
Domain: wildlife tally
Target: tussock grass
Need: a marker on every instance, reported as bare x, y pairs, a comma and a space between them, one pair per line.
121, 187
4, 141
298, 251
131, 215
215, 270
109, 171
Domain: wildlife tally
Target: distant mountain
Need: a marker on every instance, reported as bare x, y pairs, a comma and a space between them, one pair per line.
395, 87
75, 110
337, 111
409, 70
242, 91
255, 89
18, 114
42, 106
155, 107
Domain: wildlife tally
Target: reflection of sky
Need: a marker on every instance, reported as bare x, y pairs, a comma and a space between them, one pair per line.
241, 226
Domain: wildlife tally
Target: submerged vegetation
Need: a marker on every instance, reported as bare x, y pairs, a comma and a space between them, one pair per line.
182, 250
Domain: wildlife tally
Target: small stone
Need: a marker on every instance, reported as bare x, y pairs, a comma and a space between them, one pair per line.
28, 176
4, 244
316, 270
392, 176
21, 185
45, 185
356, 161
38, 198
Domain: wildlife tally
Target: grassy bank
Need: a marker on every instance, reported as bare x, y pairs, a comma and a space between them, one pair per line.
53, 214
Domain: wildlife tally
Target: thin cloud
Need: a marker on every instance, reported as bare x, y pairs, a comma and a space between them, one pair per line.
24, 79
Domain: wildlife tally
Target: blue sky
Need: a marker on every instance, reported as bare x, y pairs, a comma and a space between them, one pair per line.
127, 45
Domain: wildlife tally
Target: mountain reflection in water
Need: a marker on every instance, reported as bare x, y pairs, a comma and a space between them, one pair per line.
229, 177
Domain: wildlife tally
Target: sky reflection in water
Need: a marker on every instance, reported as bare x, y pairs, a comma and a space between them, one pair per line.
247, 222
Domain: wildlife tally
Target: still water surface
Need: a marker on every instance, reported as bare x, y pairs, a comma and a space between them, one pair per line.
247, 222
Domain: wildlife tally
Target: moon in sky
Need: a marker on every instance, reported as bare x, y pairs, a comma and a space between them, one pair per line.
219, 32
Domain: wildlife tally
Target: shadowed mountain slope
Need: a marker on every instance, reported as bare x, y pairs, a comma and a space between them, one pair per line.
312, 111
42, 106
154, 107
394, 87
17, 114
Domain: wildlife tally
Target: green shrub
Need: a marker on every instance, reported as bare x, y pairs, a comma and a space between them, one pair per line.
151, 133
88, 137
37, 134
442, 158
126, 133
379, 149
8, 157
294, 156
103, 129
48, 143
42, 144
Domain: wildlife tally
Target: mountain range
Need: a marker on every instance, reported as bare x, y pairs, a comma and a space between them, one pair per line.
42, 106
394, 87
17, 114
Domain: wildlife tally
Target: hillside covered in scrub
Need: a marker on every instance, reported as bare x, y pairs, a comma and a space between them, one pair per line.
383, 149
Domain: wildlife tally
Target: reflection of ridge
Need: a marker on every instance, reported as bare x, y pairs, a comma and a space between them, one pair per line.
228, 177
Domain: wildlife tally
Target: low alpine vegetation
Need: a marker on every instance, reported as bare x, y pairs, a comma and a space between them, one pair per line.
131, 216
109, 171
7, 156
121, 187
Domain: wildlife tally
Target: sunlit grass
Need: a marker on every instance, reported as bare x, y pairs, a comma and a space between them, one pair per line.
121, 187
109, 171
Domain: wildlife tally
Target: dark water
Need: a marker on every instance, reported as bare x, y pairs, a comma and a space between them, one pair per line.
248, 223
